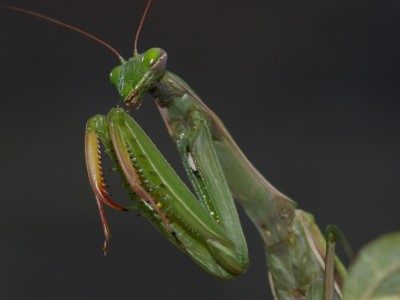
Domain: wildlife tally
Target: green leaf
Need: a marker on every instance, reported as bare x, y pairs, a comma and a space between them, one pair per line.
375, 274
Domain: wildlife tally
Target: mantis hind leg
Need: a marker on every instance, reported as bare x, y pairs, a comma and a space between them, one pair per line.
333, 234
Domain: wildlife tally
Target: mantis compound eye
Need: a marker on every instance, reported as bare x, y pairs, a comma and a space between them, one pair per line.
154, 57
114, 75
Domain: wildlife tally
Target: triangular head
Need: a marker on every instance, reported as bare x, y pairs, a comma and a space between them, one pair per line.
137, 76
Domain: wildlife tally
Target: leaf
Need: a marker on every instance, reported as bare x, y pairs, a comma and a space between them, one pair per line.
375, 274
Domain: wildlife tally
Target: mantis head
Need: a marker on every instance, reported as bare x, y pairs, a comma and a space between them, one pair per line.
137, 76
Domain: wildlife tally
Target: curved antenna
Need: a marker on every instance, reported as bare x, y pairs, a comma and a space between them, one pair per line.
62, 24
140, 26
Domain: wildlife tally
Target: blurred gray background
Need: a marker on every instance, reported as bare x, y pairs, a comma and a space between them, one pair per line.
309, 89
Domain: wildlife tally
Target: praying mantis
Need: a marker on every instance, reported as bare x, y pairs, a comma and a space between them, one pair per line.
189, 158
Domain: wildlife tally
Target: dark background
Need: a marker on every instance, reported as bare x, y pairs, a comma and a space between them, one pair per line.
309, 89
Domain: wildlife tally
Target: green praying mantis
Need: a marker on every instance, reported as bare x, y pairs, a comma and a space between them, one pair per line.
206, 228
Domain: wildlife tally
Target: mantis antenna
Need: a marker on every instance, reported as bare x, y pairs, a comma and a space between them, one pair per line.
65, 25
140, 27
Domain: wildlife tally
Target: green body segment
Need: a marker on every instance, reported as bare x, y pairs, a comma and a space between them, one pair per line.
196, 231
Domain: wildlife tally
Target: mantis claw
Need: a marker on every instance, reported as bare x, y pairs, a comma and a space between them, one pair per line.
99, 129
96, 178
94, 169
131, 173
107, 234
